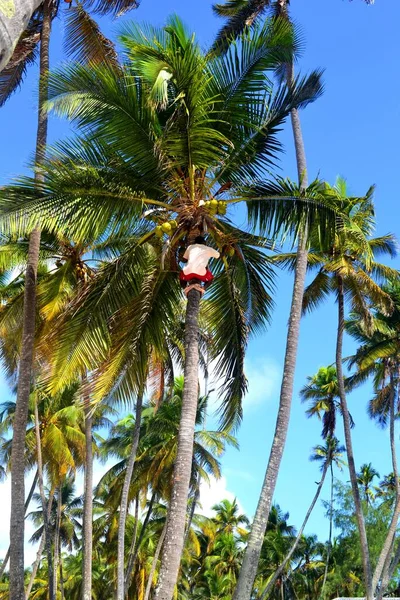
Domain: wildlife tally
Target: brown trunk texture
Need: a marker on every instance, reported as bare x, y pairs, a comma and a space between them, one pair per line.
88, 506
349, 447
17, 519
176, 520
123, 510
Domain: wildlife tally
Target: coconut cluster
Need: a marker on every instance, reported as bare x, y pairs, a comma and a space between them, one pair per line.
215, 207
167, 227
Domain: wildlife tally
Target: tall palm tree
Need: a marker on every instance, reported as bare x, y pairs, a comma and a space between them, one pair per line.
29, 314
349, 266
183, 150
240, 15
329, 454
35, 27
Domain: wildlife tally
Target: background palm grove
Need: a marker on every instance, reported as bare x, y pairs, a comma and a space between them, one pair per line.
125, 397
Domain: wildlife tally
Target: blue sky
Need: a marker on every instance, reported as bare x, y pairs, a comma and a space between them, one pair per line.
353, 130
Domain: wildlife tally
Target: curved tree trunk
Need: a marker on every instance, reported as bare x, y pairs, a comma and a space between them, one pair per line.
14, 17
328, 554
154, 563
289, 555
251, 558
383, 564
135, 550
17, 519
349, 447
27, 502
176, 520
57, 539
88, 505
39, 552
192, 509
123, 509
46, 513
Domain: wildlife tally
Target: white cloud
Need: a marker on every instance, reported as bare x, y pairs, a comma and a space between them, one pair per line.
263, 377
5, 510
213, 493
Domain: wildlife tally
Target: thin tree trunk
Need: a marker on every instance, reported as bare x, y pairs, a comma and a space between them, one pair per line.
393, 565
134, 555
14, 17
192, 509
27, 502
131, 552
61, 574
176, 520
46, 514
387, 549
123, 509
154, 563
57, 539
88, 505
289, 555
349, 446
328, 554
36, 564
252, 553
40, 551
17, 519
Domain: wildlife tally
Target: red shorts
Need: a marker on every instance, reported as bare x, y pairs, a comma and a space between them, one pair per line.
206, 278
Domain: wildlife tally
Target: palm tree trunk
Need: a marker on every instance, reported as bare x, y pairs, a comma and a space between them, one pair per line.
62, 594
27, 502
279, 572
252, 553
154, 563
393, 566
11, 27
133, 542
39, 553
349, 446
123, 509
176, 520
192, 509
87, 505
17, 518
134, 551
387, 549
328, 554
46, 514
36, 564
57, 539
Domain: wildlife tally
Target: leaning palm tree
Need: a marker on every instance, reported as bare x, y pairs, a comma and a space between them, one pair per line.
328, 455
187, 158
349, 268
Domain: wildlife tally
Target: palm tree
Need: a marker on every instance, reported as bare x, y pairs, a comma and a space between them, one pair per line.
176, 179
228, 518
329, 454
35, 27
321, 391
241, 15
26, 359
157, 451
349, 267
365, 478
